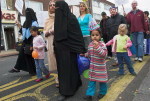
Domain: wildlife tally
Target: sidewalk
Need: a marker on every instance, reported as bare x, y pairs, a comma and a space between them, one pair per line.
8, 53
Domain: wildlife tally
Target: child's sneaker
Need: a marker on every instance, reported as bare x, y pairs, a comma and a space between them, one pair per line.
38, 80
140, 60
88, 98
100, 96
47, 76
135, 59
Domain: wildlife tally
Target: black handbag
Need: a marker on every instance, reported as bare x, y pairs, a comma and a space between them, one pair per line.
19, 45
27, 49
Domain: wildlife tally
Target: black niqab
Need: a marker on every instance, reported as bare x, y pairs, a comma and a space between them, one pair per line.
30, 16
67, 29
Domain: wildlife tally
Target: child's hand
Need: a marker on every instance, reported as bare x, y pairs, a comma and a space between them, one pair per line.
125, 47
82, 55
95, 43
35, 47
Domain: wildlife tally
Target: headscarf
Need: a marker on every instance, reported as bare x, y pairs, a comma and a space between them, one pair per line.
49, 24
30, 17
67, 29
31, 20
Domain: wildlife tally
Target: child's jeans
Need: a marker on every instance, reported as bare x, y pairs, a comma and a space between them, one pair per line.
92, 88
40, 67
123, 56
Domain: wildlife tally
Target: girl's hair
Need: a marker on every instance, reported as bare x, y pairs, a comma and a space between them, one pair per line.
86, 10
99, 31
35, 29
123, 27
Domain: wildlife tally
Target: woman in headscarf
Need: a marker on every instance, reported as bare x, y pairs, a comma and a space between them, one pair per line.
49, 34
25, 61
68, 42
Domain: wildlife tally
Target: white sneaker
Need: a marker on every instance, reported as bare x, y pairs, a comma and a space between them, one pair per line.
135, 59
140, 59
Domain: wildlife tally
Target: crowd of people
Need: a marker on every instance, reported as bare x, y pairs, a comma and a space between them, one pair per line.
68, 36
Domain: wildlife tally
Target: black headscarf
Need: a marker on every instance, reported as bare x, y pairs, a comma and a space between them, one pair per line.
67, 29
30, 16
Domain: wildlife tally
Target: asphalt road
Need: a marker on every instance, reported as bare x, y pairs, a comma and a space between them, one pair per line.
22, 87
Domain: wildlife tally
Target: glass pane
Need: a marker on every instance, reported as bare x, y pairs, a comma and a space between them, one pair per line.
3, 4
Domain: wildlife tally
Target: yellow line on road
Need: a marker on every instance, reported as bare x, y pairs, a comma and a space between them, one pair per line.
12, 86
28, 88
11, 83
120, 84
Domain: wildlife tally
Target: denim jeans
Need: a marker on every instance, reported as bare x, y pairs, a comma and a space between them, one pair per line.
123, 56
40, 67
138, 42
92, 88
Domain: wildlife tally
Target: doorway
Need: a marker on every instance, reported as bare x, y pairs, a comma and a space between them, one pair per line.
9, 37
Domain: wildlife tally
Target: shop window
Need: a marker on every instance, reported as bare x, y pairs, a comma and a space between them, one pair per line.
3, 5
36, 6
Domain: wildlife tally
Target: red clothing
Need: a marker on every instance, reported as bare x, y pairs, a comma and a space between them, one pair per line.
136, 21
147, 24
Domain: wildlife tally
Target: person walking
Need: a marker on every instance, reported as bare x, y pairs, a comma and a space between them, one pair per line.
112, 26
84, 21
25, 61
120, 45
49, 35
104, 32
68, 42
97, 52
135, 18
39, 47
147, 34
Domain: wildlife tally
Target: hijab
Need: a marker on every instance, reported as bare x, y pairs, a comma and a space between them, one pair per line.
30, 17
67, 29
49, 24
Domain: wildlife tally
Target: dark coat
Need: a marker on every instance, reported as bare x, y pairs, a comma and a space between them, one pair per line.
113, 24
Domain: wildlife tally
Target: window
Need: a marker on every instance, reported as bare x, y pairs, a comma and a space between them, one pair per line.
36, 6
3, 5
106, 6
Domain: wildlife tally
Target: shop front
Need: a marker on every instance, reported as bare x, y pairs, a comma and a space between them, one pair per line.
9, 30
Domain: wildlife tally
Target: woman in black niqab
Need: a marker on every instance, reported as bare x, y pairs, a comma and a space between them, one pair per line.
68, 42
25, 62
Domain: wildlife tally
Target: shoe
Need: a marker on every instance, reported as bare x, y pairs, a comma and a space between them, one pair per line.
140, 60
135, 59
134, 74
38, 80
88, 98
14, 71
62, 98
100, 96
115, 64
47, 76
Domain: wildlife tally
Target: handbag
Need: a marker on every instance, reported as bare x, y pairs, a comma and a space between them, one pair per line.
18, 45
83, 64
27, 49
133, 49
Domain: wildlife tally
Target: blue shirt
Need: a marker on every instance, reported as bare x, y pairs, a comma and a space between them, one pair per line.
84, 24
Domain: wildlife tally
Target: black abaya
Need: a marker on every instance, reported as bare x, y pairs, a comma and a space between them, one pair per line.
25, 62
68, 42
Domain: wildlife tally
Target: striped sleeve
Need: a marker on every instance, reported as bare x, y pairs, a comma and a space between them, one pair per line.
102, 50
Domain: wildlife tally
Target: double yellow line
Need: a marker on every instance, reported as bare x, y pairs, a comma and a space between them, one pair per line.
119, 85
26, 89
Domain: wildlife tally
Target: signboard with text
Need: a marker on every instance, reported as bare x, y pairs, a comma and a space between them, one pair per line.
9, 16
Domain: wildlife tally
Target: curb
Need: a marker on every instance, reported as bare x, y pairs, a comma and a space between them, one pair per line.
8, 54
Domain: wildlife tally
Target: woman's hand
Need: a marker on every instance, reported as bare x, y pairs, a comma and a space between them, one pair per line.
47, 34
51, 32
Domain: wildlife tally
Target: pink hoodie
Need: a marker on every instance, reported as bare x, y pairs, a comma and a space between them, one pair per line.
114, 46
